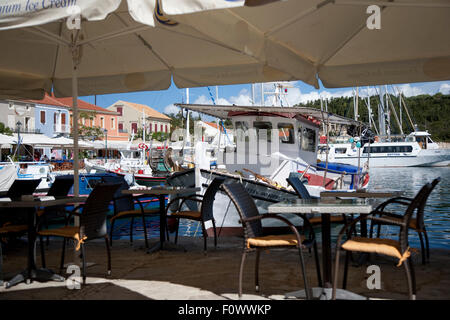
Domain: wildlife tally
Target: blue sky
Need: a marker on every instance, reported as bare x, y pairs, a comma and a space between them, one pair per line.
241, 94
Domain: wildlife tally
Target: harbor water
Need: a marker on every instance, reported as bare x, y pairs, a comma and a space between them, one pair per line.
437, 209
409, 180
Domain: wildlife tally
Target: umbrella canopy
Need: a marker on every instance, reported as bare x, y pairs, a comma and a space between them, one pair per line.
343, 43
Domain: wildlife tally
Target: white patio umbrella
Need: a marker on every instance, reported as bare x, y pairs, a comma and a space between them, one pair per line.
90, 47
343, 43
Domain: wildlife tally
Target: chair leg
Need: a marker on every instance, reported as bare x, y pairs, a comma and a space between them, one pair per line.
1, 265
422, 247
111, 232
205, 235
258, 253
241, 271
131, 230
316, 258
108, 252
83, 255
344, 280
145, 231
305, 280
427, 244
410, 277
41, 244
61, 265
176, 232
215, 233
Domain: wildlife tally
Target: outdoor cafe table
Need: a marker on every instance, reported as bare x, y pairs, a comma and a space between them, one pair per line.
161, 192
29, 207
326, 208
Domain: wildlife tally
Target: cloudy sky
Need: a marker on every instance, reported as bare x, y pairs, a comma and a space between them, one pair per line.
163, 101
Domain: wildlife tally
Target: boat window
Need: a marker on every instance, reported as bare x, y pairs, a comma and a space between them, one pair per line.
388, 149
340, 150
241, 131
263, 130
286, 133
308, 139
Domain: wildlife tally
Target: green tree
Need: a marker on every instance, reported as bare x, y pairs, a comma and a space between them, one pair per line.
5, 130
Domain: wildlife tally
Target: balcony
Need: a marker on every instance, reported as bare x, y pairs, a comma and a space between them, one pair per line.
123, 131
61, 128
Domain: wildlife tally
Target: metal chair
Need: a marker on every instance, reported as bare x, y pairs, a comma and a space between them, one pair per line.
124, 208
203, 215
13, 224
256, 240
398, 249
303, 193
417, 223
92, 223
57, 214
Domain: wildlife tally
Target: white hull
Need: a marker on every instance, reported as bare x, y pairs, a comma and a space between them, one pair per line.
424, 158
225, 213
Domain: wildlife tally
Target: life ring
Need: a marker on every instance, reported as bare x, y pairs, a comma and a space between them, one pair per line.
143, 146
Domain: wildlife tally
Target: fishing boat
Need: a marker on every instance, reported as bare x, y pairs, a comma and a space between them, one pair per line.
132, 161
271, 143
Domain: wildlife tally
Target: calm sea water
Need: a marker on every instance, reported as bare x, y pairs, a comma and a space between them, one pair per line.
437, 210
410, 180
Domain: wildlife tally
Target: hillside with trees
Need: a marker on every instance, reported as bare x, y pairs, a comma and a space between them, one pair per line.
430, 113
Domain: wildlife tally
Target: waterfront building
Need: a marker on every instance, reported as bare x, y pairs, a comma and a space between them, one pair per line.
131, 115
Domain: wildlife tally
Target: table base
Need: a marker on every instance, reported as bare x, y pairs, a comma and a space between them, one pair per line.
319, 293
41, 275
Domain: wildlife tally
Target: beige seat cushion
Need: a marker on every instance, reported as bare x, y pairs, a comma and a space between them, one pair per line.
187, 214
387, 247
274, 241
13, 228
65, 232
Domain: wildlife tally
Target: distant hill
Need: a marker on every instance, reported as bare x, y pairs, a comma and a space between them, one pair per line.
431, 113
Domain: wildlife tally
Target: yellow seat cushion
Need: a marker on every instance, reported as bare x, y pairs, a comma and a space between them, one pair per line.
12, 228
65, 232
318, 219
133, 213
273, 241
387, 247
187, 214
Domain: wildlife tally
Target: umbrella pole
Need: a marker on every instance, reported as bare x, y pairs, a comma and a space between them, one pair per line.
76, 185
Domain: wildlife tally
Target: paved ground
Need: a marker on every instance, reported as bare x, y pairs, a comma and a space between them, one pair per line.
192, 275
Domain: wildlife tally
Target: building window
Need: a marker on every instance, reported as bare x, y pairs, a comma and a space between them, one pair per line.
120, 126
166, 128
161, 128
134, 127
43, 117
156, 127
113, 123
102, 122
119, 110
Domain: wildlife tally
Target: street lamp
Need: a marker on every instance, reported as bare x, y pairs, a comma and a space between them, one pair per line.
106, 144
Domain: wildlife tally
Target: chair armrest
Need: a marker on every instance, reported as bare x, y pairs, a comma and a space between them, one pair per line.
398, 200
